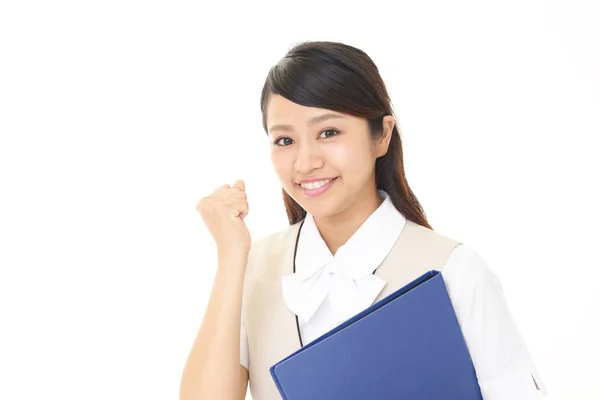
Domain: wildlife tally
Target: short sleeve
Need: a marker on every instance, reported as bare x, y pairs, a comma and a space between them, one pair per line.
500, 356
244, 356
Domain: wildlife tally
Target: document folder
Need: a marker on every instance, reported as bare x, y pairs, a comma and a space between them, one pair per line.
408, 345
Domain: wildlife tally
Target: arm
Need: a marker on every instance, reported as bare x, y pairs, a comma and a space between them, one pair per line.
500, 356
212, 369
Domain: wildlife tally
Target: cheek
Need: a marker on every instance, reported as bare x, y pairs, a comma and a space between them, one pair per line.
281, 164
339, 155
348, 158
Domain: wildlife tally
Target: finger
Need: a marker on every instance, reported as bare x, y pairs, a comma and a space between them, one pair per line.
244, 213
234, 195
240, 209
240, 185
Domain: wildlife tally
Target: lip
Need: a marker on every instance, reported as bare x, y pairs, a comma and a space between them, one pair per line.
319, 191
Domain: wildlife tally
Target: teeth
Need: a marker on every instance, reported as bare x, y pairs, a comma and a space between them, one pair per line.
314, 185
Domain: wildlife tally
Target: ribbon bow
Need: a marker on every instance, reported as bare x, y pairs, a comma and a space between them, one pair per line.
351, 289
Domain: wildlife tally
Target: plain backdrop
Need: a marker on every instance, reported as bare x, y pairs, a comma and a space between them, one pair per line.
117, 117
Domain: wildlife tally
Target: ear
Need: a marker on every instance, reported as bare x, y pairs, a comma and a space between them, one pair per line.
382, 144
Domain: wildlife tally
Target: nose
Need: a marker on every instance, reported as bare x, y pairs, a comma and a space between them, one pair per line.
308, 158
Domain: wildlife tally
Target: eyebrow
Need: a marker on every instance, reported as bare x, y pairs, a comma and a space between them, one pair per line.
312, 121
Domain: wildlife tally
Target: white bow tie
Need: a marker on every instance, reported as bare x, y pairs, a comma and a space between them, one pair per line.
350, 290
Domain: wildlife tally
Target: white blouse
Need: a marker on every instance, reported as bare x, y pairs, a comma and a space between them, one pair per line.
328, 289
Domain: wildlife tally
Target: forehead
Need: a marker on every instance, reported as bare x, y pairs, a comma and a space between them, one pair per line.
281, 111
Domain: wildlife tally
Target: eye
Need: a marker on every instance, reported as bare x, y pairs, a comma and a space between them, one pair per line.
334, 132
283, 141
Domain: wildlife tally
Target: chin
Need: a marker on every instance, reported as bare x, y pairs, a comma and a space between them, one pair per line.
319, 208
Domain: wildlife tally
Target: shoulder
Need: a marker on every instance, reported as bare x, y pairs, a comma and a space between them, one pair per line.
277, 239
468, 273
268, 252
270, 256
427, 238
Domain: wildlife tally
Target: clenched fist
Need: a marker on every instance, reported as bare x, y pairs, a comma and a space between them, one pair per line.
223, 212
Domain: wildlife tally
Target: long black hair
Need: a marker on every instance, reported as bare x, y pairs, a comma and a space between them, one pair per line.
342, 78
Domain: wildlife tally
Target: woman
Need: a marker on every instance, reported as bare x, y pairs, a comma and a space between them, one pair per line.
337, 151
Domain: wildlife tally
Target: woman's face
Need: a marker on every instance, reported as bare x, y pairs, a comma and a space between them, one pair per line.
325, 160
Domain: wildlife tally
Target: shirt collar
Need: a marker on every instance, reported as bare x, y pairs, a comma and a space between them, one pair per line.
346, 277
362, 253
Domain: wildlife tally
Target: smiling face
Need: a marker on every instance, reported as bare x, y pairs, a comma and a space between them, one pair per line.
325, 160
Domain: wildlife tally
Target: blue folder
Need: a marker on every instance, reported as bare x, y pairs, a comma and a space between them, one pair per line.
408, 345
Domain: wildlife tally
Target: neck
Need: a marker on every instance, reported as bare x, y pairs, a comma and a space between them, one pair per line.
337, 229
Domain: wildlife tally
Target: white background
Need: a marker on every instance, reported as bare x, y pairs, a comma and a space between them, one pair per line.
116, 117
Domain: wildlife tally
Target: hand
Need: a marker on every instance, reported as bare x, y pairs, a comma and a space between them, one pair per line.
223, 213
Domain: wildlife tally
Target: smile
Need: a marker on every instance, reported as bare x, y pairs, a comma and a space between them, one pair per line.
317, 188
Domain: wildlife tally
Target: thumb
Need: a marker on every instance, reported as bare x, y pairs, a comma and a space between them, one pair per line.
240, 185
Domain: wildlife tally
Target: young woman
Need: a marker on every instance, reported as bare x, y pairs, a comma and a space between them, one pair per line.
356, 233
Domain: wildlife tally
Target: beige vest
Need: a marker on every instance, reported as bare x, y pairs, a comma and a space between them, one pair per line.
271, 326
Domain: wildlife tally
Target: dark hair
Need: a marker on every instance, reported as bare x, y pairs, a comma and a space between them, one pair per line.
343, 78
